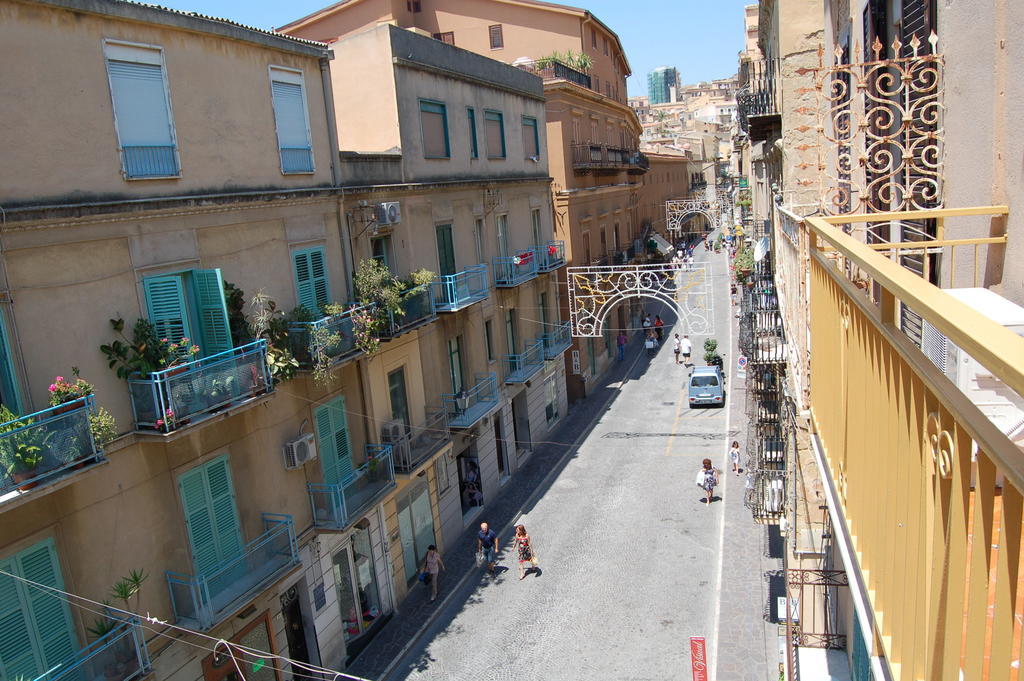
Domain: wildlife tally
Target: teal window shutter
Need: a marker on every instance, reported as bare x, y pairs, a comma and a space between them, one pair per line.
211, 517
9, 394
36, 632
332, 433
311, 284
212, 311
165, 304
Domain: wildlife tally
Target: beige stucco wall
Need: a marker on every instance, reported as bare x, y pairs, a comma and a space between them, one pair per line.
224, 125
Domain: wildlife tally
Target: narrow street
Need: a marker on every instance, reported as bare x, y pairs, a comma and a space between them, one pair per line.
630, 555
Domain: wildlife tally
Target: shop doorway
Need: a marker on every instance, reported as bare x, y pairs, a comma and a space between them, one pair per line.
501, 450
296, 633
358, 594
469, 484
416, 529
521, 422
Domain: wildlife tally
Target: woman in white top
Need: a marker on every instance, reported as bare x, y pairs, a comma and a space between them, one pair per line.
734, 456
432, 565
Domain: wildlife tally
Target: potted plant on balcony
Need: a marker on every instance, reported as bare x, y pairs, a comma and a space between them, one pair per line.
272, 324
62, 392
140, 356
26, 450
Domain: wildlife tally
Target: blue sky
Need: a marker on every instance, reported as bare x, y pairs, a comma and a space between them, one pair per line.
699, 37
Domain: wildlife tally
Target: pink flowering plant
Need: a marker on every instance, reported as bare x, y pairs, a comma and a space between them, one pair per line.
62, 391
168, 422
180, 352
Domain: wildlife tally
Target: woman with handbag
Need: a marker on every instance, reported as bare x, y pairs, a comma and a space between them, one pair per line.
432, 565
524, 550
707, 479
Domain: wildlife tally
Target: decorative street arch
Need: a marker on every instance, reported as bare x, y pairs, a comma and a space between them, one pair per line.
712, 209
594, 291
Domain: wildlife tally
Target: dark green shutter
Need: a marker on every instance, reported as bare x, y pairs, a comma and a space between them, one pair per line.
8, 379
165, 304
211, 518
212, 311
335, 449
311, 284
445, 250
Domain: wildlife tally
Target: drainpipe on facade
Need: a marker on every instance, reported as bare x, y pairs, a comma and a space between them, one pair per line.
332, 137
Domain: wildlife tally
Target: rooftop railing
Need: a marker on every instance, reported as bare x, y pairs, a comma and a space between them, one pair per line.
594, 157
422, 442
469, 406
513, 270
122, 649
187, 393
557, 340
202, 601
520, 367
47, 445
550, 256
452, 292
337, 505
418, 308
333, 336
552, 69
925, 489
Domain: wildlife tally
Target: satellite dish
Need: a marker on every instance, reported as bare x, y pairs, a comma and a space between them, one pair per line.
761, 249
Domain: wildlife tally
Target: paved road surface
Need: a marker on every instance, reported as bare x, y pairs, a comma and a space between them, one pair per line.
630, 556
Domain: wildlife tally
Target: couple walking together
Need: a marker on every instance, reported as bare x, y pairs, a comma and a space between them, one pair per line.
487, 549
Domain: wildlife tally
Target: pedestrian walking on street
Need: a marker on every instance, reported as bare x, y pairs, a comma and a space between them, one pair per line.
487, 546
524, 551
707, 479
658, 326
621, 342
647, 321
677, 346
432, 565
734, 456
651, 343
687, 347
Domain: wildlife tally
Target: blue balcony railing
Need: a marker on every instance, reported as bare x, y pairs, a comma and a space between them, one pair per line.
151, 161
190, 392
515, 269
519, 368
46, 445
337, 505
204, 600
334, 336
422, 441
122, 649
418, 308
296, 160
453, 292
550, 256
557, 340
469, 406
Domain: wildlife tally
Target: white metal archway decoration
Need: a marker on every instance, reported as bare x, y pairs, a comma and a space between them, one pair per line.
717, 210
594, 292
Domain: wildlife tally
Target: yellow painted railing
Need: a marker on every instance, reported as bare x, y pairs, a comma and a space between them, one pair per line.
931, 491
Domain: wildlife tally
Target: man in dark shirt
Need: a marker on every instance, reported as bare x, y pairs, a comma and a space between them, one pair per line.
487, 543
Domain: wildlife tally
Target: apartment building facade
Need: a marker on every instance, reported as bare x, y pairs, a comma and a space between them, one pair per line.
592, 134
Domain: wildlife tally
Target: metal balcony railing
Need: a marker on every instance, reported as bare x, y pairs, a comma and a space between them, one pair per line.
185, 394
337, 505
202, 601
557, 340
555, 70
550, 256
593, 157
522, 366
469, 406
513, 270
122, 649
418, 309
758, 94
422, 442
47, 445
334, 336
150, 161
921, 478
452, 292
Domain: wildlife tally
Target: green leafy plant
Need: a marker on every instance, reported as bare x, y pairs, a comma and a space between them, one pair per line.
141, 355
421, 277
127, 590
234, 298
103, 427
270, 323
711, 351
367, 325
102, 626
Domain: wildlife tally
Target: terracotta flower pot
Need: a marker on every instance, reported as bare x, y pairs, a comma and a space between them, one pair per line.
21, 476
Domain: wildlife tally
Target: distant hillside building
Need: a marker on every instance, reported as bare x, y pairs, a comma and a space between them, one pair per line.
662, 85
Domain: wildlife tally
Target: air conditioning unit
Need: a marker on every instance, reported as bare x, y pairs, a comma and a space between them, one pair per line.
389, 213
993, 397
393, 433
299, 452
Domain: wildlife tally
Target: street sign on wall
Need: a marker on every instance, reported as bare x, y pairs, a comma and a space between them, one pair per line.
698, 658
576, 362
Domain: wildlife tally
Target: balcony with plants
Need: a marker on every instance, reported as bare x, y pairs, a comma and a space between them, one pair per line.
550, 256
55, 442
471, 404
570, 66
327, 338
337, 505
203, 600
520, 367
453, 292
513, 270
557, 340
412, 307
117, 653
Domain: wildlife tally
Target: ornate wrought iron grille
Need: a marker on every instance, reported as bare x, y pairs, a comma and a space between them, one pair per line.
882, 120
712, 209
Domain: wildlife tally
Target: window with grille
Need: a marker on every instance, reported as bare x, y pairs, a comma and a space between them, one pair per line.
497, 40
